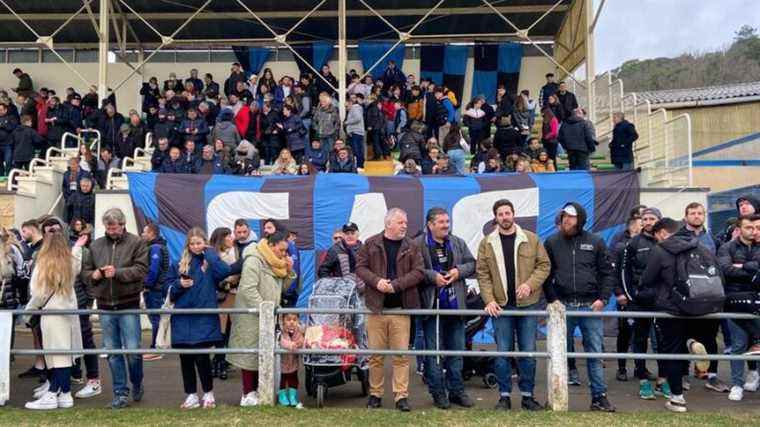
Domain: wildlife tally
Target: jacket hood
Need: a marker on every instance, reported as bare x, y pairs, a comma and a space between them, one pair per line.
680, 242
248, 148
754, 201
226, 115
582, 215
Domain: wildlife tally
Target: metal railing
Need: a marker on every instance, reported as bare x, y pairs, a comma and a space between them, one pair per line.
556, 341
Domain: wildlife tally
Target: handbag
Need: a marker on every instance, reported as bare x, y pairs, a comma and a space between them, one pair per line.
164, 333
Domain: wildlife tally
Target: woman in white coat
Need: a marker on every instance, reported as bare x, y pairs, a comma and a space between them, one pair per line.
52, 287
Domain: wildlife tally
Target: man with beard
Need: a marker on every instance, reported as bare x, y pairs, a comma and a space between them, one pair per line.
632, 263
582, 278
512, 267
707, 332
243, 236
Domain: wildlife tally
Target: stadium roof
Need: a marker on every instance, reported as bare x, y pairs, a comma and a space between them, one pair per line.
703, 96
228, 22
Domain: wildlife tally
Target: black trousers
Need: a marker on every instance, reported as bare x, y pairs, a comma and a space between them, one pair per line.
88, 342
642, 329
192, 363
625, 335
578, 160
673, 333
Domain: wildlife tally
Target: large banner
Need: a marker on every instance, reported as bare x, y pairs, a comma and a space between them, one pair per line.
315, 206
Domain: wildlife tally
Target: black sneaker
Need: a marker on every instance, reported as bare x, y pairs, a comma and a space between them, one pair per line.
504, 403
530, 404
601, 403
32, 372
403, 405
374, 402
440, 401
462, 400
622, 374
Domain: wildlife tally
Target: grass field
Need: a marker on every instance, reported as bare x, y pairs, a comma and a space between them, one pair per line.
274, 417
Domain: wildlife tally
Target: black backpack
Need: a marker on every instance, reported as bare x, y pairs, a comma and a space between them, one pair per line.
698, 286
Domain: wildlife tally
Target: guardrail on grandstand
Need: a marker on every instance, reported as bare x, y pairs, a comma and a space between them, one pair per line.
664, 148
556, 341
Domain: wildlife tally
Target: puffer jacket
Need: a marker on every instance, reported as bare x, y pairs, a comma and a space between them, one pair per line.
129, 254
411, 145
575, 135
581, 269
226, 130
739, 279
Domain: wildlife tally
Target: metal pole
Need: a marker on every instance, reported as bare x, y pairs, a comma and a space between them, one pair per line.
267, 324
590, 61
103, 51
342, 59
556, 365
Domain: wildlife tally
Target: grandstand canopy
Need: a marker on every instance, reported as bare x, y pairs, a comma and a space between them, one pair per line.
230, 23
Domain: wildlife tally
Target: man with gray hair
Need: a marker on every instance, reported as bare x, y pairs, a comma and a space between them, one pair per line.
391, 266
114, 272
621, 147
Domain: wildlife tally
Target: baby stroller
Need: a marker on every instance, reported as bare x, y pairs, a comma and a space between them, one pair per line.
477, 365
335, 331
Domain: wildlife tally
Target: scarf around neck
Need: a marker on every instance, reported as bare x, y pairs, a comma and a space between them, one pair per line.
278, 265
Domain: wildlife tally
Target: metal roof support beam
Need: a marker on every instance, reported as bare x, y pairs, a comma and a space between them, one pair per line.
591, 60
541, 18
117, 7
402, 37
47, 41
596, 16
103, 51
524, 35
91, 15
165, 40
282, 39
121, 39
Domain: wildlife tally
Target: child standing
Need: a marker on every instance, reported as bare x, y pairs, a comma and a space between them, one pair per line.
292, 339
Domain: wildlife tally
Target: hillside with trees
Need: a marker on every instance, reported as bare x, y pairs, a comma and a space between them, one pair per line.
738, 63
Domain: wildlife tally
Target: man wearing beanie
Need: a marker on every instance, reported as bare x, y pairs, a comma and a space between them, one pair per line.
632, 263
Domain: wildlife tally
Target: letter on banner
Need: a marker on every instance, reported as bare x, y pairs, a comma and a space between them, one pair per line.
224, 209
368, 213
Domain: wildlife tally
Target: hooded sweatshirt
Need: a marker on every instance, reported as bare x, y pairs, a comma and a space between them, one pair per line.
581, 269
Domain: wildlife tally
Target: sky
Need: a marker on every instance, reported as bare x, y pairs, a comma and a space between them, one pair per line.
630, 29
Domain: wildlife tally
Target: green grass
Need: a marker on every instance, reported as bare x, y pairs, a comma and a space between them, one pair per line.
276, 417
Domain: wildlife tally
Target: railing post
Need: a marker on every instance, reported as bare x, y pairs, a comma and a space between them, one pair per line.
556, 365
6, 322
266, 353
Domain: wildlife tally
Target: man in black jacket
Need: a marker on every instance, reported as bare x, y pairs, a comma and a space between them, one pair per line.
81, 203
340, 260
631, 264
621, 147
7, 124
657, 285
578, 140
567, 102
739, 260
25, 140
582, 278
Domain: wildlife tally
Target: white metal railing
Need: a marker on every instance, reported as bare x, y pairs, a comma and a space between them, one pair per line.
12, 185
49, 153
113, 173
664, 148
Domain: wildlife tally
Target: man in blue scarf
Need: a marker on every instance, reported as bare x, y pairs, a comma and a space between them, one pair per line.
448, 262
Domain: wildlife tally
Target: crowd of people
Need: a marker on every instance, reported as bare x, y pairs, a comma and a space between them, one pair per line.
655, 264
293, 126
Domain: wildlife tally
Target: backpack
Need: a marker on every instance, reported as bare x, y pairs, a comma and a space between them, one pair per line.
698, 286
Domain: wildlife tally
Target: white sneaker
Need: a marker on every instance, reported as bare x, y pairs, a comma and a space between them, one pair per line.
48, 400
191, 402
91, 389
250, 399
65, 400
752, 381
208, 400
736, 394
41, 389
676, 404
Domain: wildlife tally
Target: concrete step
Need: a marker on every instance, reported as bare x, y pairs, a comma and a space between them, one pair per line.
378, 167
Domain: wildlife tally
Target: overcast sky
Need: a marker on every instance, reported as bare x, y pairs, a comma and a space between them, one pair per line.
630, 29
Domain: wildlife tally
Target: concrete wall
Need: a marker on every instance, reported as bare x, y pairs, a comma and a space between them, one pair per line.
713, 125
726, 177
672, 203
58, 77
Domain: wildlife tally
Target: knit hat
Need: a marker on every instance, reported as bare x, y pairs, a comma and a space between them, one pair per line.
652, 211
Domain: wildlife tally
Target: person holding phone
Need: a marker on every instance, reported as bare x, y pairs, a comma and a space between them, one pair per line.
192, 283
582, 276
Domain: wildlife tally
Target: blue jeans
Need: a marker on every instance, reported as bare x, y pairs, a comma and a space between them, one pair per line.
357, 146
739, 344
456, 157
505, 328
592, 330
153, 299
450, 337
123, 331
6, 159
